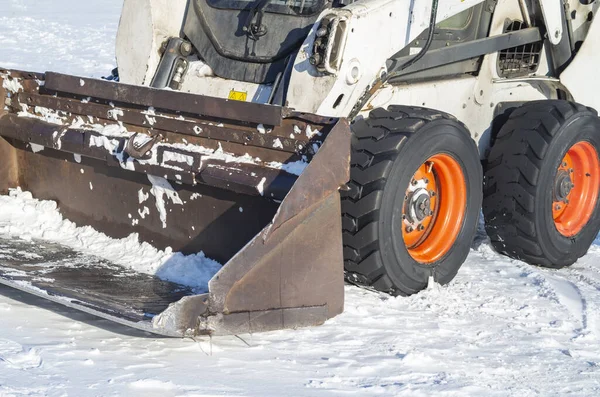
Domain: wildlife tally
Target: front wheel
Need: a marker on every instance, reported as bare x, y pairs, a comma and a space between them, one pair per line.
414, 199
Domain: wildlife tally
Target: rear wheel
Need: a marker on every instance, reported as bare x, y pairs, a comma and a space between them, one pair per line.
542, 183
414, 199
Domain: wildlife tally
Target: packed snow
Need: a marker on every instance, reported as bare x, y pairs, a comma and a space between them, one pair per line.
26, 218
501, 328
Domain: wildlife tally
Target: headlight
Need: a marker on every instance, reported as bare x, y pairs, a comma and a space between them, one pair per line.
330, 40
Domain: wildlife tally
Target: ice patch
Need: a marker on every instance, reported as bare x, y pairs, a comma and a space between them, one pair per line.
295, 168
12, 85
311, 133
35, 147
177, 158
144, 212
160, 188
261, 186
78, 123
115, 114
45, 114
150, 120
142, 196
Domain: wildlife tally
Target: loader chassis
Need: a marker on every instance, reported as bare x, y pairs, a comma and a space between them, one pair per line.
235, 111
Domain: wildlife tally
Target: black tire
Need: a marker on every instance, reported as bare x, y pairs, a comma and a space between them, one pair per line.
387, 148
519, 177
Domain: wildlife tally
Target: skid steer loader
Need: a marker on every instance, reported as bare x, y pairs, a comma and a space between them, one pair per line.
238, 108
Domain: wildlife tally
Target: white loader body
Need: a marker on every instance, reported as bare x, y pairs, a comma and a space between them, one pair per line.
375, 29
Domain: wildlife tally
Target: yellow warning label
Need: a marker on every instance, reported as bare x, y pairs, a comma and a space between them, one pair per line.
238, 95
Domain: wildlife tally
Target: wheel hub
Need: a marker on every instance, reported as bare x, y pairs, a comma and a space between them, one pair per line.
576, 189
562, 186
433, 208
418, 206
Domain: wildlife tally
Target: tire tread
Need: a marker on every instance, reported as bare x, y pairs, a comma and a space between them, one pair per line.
512, 174
377, 142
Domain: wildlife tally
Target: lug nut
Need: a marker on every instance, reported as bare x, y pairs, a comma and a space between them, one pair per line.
421, 228
557, 207
565, 164
430, 213
403, 217
426, 180
414, 182
409, 229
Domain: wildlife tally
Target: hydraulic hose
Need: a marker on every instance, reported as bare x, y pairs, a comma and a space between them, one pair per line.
365, 98
432, 20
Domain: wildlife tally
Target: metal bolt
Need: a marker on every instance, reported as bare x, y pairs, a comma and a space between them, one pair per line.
426, 180
406, 198
571, 170
322, 31
432, 193
565, 164
186, 48
421, 228
403, 217
414, 182
430, 213
557, 207
409, 229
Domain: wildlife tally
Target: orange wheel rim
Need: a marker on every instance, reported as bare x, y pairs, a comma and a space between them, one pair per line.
434, 208
575, 191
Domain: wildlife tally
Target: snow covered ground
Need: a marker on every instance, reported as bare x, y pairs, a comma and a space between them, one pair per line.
501, 328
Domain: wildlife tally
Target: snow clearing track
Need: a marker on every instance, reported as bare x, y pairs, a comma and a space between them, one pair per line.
501, 328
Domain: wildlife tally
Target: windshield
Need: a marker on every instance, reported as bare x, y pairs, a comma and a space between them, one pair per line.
293, 7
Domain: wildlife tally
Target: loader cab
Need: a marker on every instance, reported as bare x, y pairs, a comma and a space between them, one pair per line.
471, 24
468, 26
286, 7
250, 40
